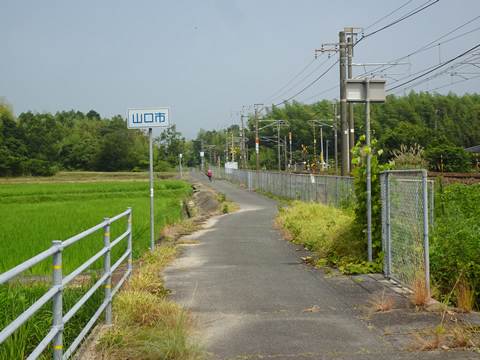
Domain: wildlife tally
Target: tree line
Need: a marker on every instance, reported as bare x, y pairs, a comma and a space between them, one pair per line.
438, 128
40, 144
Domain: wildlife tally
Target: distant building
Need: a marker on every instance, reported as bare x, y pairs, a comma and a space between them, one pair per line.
474, 149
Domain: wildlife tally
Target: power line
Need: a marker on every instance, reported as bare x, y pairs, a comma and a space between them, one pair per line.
319, 66
435, 68
310, 63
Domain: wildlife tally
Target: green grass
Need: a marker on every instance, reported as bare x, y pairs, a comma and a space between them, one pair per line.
327, 232
33, 215
16, 298
455, 241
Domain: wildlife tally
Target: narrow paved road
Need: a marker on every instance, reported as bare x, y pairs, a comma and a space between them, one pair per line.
254, 297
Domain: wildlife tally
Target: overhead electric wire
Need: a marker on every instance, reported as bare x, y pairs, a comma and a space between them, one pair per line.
435, 68
404, 17
319, 66
313, 82
394, 11
310, 63
413, 12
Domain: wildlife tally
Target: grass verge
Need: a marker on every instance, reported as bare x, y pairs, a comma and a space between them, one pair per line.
147, 324
328, 233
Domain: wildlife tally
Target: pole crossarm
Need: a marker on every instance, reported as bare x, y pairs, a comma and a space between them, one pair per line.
275, 123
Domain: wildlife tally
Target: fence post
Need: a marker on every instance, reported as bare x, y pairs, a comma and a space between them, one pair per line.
326, 190
425, 231
57, 301
432, 194
129, 241
336, 191
387, 224
106, 269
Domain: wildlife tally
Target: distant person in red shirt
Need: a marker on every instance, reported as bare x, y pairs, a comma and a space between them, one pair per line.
209, 174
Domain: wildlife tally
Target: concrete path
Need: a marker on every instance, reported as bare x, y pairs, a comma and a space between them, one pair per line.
254, 297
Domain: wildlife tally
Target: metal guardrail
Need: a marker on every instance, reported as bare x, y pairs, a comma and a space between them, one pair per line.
59, 282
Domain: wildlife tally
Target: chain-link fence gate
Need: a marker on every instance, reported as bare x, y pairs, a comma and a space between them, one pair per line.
405, 226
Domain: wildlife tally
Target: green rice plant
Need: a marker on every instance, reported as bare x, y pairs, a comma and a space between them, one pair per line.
15, 298
29, 225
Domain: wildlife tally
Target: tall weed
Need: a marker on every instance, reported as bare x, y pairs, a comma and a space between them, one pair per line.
454, 244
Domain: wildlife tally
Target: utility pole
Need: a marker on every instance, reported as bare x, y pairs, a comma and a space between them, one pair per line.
202, 155
244, 160
350, 105
233, 148
335, 135
278, 147
257, 141
226, 145
343, 106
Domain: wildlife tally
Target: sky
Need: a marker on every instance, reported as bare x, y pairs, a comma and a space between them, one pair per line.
209, 60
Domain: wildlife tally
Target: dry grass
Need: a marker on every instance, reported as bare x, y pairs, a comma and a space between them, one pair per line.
465, 296
149, 326
421, 294
382, 303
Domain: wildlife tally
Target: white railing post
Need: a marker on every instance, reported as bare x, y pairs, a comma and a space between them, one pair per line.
57, 301
106, 269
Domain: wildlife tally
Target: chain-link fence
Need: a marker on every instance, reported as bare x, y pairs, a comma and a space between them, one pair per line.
326, 189
405, 226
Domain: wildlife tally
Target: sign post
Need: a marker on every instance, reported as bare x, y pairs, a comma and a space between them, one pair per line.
148, 118
367, 91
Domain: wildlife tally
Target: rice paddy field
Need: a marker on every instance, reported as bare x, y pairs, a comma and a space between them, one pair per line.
34, 214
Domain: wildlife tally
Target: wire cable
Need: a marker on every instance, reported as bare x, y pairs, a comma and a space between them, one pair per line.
435, 68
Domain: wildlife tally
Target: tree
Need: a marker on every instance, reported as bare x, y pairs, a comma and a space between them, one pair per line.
170, 145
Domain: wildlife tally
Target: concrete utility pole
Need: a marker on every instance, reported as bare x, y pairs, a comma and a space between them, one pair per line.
343, 106
278, 147
202, 155
350, 105
257, 141
226, 145
244, 152
336, 135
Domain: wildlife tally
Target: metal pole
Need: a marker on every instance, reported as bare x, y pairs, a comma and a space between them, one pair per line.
152, 227
387, 216
106, 269
129, 241
278, 147
335, 136
321, 146
57, 301
290, 139
202, 155
257, 142
244, 155
369, 182
343, 105
425, 231
351, 115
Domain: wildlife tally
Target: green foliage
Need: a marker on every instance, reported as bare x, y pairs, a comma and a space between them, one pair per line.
360, 183
34, 215
453, 158
454, 243
15, 298
329, 233
409, 158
